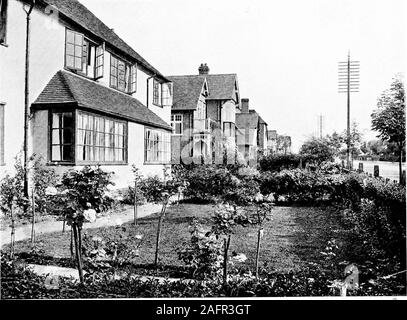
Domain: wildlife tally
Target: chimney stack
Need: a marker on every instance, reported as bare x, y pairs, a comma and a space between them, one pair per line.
203, 69
245, 105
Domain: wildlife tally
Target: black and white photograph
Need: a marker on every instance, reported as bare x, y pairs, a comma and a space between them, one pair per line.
187, 151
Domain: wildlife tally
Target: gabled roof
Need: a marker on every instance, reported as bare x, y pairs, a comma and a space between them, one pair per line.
68, 88
272, 134
79, 14
221, 86
187, 90
249, 120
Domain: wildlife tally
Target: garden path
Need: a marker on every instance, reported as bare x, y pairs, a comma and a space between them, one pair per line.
24, 232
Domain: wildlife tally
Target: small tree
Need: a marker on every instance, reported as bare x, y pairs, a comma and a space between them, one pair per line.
318, 150
80, 192
137, 191
159, 191
389, 119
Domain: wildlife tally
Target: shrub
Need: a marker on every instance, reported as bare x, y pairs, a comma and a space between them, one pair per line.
204, 253
274, 162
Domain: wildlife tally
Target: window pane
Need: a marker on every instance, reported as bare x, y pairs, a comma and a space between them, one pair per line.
67, 136
55, 136
70, 61
78, 38
66, 151
70, 49
56, 153
78, 63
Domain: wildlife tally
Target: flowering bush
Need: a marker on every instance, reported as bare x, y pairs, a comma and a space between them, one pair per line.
204, 253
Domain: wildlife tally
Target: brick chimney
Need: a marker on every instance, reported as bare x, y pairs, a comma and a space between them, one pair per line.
203, 69
245, 105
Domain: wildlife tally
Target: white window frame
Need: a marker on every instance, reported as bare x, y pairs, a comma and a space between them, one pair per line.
177, 118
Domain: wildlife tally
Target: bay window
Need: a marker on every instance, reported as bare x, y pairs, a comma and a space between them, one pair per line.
100, 139
157, 146
62, 129
86, 138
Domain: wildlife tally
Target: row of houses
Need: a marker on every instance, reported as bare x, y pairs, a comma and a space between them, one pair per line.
278, 144
93, 100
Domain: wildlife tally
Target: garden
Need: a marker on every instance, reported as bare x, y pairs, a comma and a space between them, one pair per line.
291, 227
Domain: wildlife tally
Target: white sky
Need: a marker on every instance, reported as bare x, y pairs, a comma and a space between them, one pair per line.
285, 53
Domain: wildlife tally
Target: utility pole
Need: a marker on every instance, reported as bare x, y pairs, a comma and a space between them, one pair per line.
27, 95
348, 81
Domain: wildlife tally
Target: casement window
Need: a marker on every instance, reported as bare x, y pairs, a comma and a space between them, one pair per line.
229, 129
83, 56
123, 75
156, 93
3, 21
100, 139
86, 138
176, 123
62, 134
167, 93
1, 134
157, 146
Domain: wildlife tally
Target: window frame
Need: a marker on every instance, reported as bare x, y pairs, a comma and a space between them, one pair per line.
75, 133
173, 116
73, 136
168, 151
156, 93
104, 162
129, 80
97, 71
67, 30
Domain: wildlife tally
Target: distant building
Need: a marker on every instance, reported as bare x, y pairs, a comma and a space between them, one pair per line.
272, 141
204, 110
283, 144
252, 132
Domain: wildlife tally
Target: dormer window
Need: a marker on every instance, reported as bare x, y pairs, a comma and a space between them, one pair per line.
123, 75
83, 56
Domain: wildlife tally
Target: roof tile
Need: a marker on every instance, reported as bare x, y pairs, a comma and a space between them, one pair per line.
66, 87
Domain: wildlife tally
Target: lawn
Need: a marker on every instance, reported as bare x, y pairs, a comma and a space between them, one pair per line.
292, 238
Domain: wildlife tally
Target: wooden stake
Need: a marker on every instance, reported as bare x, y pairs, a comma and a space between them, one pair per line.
160, 221
12, 233
77, 251
225, 259
33, 218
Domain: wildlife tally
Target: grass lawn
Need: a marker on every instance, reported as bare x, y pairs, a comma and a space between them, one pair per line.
293, 237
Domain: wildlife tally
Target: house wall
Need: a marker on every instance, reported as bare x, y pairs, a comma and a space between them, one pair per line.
47, 56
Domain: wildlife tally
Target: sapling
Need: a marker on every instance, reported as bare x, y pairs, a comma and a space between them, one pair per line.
159, 191
262, 212
137, 182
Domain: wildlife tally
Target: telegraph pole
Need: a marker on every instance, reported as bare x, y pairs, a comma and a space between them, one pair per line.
348, 81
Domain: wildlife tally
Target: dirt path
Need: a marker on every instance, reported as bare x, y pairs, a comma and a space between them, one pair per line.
24, 232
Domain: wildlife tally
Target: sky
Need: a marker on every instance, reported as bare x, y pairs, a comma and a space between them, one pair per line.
285, 53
